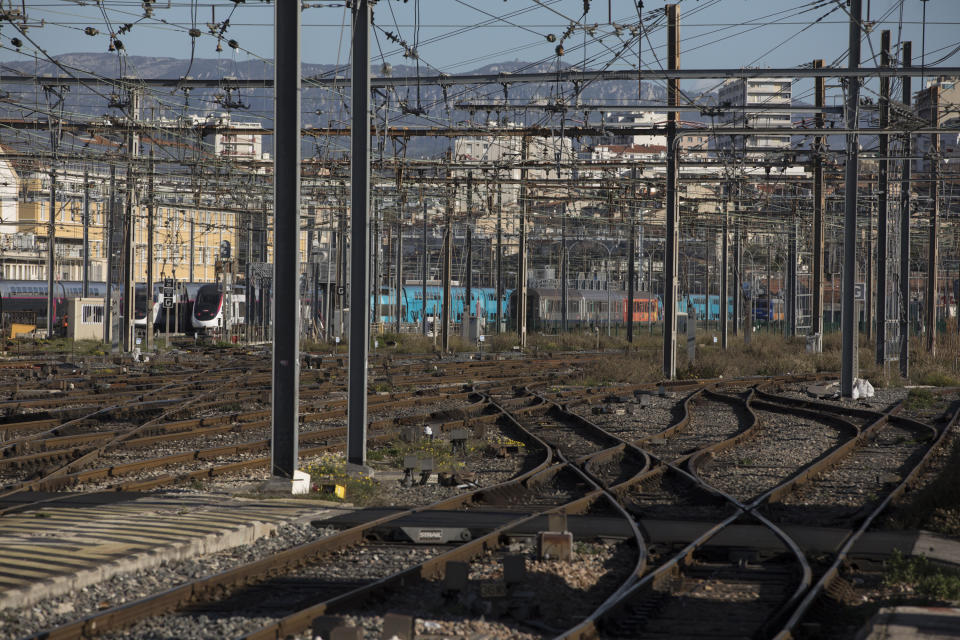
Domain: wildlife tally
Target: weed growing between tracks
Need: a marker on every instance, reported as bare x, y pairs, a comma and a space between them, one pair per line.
444, 459
331, 470
919, 577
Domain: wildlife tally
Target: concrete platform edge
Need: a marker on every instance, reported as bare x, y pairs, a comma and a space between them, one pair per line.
67, 583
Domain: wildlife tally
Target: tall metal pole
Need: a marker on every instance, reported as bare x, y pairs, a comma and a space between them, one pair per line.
111, 249
86, 236
848, 316
447, 268
467, 307
426, 258
522, 255
868, 295
563, 268
468, 294
127, 296
251, 308
818, 206
150, 213
133, 150
360, 234
673, 204
375, 247
51, 250
724, 275
631, 260
286, 225
904, 307
399, 268
192, 250
499, 256
882, 213
737, 276
930, 299
792, 275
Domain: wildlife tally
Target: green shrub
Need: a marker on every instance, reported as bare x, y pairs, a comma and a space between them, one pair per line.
928, 581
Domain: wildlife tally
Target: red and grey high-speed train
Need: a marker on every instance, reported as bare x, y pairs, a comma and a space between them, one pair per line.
208, 308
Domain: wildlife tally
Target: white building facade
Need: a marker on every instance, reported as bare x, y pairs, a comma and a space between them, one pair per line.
774, 97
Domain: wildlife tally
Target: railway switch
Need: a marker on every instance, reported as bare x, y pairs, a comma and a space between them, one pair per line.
436, 535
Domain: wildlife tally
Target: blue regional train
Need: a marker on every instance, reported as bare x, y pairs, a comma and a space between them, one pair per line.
697, 301
483, 302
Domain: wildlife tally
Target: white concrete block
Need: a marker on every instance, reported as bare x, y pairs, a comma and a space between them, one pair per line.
300, 484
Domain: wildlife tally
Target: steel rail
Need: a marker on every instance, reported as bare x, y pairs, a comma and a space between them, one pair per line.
435, 567
833, 572
171, 599
325, 435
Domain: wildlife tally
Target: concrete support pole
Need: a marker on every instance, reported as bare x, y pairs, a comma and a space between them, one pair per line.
360, 235
882, 200
51, 252
818, 206
930, 298
848, 314
673, 204
286, 273
904, 308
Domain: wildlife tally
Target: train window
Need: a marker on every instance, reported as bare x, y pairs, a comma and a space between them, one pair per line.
573, 305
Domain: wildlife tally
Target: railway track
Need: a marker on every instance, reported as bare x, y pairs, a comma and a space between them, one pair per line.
723, 459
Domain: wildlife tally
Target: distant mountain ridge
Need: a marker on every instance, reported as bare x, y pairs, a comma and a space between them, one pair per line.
320, 107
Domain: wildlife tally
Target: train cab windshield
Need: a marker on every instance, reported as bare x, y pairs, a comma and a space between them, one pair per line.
208, 302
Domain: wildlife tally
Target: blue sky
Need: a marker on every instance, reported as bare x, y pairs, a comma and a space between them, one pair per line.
456, 36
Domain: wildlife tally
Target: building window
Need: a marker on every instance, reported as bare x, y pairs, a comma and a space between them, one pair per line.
91, 314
